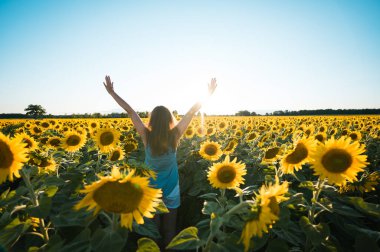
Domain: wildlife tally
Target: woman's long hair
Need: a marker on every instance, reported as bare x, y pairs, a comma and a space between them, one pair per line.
160, 136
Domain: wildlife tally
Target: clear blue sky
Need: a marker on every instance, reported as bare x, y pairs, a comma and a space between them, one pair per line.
266, 55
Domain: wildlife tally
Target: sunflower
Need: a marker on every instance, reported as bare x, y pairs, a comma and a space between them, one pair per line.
210, 130
260, 217
222, 126
300, 155
54, 142
355, 135
130, 145
73, 141
239, 133
31, 143
127, 195
200, 131
321, 137
272, 154
230, 146
12, 156
275, 194
309, 130
251, 137
47, 165
210, 150
93, 125
226, 174
45, 125
189, 133
367, 183
339, 160
106, 139
35, 130
116, 154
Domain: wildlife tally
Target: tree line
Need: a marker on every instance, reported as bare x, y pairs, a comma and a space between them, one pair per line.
314, 112
37, 111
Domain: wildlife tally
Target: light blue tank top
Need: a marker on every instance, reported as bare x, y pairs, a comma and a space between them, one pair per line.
166, 168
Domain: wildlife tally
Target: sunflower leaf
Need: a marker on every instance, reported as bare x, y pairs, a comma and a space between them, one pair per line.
208, 196
149, 228
13, 231
107, 240
316, 233
210, 207
276, 245
186, 239
147, 245
42, 210
364, 207
161, 208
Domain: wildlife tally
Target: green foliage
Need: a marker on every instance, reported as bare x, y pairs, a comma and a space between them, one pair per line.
186, 239
36, 211
147, 245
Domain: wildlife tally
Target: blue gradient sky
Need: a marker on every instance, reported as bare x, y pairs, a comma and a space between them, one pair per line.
266, 55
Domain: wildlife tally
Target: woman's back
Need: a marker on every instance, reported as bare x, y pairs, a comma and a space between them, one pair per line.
166, 168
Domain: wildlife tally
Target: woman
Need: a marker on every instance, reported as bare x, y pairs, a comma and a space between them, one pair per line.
161, 137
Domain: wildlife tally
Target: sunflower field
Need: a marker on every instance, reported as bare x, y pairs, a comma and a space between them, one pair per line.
247, 184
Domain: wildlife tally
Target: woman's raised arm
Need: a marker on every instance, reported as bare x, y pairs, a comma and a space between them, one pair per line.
136, 120
185, 121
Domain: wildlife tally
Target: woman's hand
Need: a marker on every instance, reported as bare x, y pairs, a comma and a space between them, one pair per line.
109, 85
212, 86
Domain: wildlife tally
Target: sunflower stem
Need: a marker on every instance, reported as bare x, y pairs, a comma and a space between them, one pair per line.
108, 218
115, 222
314, 200
35, 203
222, 192
208, 243
237, 207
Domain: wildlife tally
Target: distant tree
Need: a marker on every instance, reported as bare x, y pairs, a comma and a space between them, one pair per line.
144, 114
243, 113
96, 115
35, 111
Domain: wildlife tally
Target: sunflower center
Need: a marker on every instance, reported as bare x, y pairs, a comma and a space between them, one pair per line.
6, 156
106, 138
354, 136
226, 174
299, 154
129, 147
336, 160
189, 132
273, 205
230, 146
271, 153
55, 142
73, 140
28, 143
319, 137
251, 136
45, 125
115, 156
211, 150
118, 197
37, 130
44, 163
